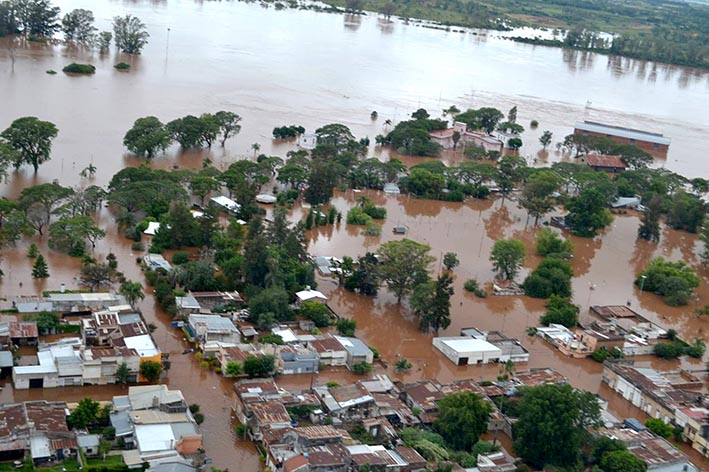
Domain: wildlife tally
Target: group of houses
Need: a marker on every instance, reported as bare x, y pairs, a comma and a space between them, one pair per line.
336, 418
675, 397
153, 425
112, 333
608, 327
156, 426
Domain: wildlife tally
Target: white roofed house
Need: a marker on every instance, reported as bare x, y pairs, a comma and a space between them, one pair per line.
357, 351
210, 330
463, 350
309, 295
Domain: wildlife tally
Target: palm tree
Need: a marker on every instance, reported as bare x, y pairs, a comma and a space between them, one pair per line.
133, 291
256, 147
387, 123
88, 171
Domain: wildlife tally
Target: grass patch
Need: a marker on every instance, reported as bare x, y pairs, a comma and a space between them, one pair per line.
68, 328
75, 68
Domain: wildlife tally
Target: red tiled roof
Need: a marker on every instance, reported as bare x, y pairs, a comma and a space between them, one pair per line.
605, 161
327, 344
295, 463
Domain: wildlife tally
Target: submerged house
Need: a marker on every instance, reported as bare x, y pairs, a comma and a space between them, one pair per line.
650, 142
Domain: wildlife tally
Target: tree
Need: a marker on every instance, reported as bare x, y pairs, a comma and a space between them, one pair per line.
587, 213
514, 143
512, 115
133, 291
673, 280
71, 234
147, 137
346, 327
46, 321
537, 194
561, 311
271, 300
686, 212
36, 17
85, 414
450, 261
122, 374
39, 269
403, 265
507, 257
362, 368
552, 424
202, 186
545, 139
97, 276
704, 237
78, 25
456, 137
8, 156
317, 312
188, 131
551, 277
649, 228
39, 202
130, 34
104, 41
233, 369
150, 370
403, 365
510, 171
550, 243
431, 303
622, 461
259, 366
659, 427
228, 124
32, 138
462, 418
485, 118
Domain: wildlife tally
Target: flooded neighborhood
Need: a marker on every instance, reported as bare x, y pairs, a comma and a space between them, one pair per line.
390, 209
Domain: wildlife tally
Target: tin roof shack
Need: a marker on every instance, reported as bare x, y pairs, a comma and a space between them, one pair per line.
330, 350
272, 414
347, 402
157, 261
381, 459
50, 438
657, 453
499, 461
653, 143
423, 396
211, 329
357, 351
612, 164
20, 333
656, 393
14, 432
212, 300
284, 444
88, 443
539, 376
251, 391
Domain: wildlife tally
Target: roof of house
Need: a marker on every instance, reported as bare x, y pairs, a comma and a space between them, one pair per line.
87, 440
410, 455
154, 437
542, 376
270, 413
355, 347
295, 464
138, 328
595, 160
144, 345
464, 344
149, 396
24, 329
11, 417
6, 359
213, 323
226, 202
619, 131
327, 344
657, 452
425, 393
309, 294
49, 417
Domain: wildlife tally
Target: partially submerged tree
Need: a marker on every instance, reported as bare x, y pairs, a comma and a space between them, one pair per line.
78, 25
32, 138
403, 265
507, 257
147, 137
130, 34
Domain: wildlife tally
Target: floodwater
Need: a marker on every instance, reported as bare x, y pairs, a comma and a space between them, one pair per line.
291, 66
301, 67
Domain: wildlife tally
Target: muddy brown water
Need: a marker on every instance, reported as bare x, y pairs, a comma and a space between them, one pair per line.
306, 68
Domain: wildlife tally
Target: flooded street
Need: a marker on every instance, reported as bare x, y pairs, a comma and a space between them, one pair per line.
300, 67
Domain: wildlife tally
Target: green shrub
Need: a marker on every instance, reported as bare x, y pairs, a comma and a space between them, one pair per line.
137, 246
52, 72
361, 368
180, 257
471, 285
75, 68
533, 124
357, 216
122, 66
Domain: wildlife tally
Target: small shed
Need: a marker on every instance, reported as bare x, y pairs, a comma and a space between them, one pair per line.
6, 363
88, 443
308, 295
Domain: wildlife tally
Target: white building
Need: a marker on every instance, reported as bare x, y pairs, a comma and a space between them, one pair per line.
226, 203
309, 295
463, 350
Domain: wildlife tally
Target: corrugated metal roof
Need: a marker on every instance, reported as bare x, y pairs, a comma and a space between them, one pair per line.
621, 132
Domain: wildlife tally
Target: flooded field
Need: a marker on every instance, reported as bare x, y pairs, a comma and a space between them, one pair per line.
301, 67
